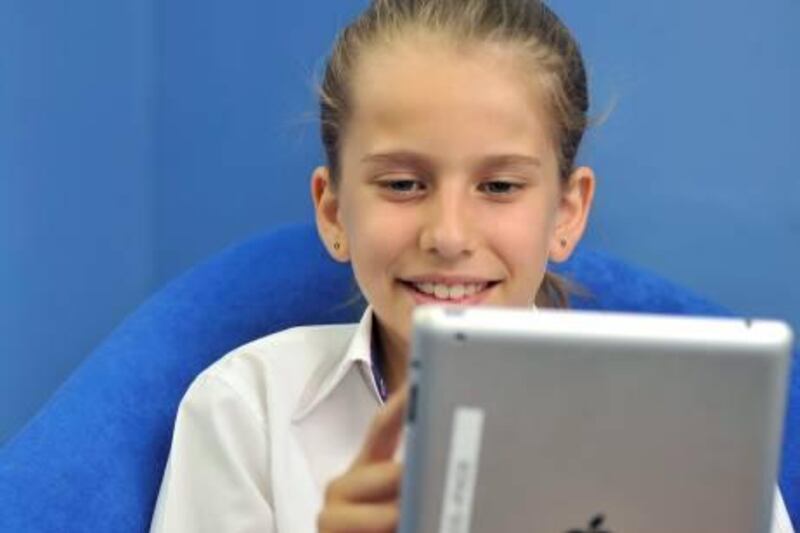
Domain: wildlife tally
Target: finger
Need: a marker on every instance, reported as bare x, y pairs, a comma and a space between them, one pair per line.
359, 518
368, 483
384, 432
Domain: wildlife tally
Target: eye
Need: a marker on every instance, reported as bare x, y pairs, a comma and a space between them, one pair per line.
499, 187
403, 187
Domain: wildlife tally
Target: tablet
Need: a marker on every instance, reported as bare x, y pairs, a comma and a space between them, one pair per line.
579, 422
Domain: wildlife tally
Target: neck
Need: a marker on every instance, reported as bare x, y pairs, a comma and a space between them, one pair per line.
394, 355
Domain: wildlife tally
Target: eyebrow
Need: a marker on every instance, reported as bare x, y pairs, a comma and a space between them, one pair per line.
511, 160
412, 158
403, 157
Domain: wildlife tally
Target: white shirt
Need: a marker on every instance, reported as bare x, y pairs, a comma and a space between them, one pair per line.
261, 432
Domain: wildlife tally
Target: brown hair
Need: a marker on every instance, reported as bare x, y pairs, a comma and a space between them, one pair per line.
528, 25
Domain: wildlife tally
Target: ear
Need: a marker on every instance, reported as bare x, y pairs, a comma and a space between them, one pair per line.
326, 207
573, 213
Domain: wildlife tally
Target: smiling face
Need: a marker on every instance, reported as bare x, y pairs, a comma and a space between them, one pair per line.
449, 188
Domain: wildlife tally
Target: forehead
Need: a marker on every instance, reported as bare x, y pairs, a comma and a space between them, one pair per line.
430, 94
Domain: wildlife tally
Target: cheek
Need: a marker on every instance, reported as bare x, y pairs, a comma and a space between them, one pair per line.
522, 231
377, 233
521, 238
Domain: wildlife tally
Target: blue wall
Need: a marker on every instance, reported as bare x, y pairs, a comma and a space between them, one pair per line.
236, 122
697, 162
76, 186
137, 138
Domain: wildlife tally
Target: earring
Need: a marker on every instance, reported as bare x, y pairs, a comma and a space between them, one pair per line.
336, 246
563, 242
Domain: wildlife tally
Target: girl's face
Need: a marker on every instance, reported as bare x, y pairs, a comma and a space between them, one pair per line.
449, 189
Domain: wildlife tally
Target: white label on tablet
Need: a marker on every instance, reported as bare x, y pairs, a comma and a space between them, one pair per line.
462, 470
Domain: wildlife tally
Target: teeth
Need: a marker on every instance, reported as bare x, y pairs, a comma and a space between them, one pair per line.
449, 292
441, 291
457, 292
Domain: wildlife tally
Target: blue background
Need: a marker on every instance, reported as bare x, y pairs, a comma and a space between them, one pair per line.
137, 138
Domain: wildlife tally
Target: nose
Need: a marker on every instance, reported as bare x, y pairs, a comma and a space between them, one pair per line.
447, 229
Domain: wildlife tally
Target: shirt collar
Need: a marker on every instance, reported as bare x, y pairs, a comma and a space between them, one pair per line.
326, 377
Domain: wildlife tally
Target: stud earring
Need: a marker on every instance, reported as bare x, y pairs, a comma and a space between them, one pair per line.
563, 242
336, 246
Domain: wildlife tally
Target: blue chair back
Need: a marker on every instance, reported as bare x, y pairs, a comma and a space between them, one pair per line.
92, 459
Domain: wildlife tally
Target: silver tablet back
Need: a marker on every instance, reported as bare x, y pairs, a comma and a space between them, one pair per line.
583, 422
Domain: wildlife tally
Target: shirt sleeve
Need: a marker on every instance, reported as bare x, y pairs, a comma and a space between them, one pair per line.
217, 475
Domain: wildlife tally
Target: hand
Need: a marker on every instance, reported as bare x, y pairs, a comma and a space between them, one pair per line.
365, 498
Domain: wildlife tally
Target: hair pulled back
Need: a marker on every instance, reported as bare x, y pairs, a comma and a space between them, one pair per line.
527, 26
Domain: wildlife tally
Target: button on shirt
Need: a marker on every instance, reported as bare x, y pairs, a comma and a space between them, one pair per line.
261, 432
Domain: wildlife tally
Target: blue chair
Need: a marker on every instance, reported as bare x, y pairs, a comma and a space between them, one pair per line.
92, 459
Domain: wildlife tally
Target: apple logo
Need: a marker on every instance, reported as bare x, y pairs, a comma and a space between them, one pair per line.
594, 526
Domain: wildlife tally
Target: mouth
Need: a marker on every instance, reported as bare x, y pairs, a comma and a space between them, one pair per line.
440, 291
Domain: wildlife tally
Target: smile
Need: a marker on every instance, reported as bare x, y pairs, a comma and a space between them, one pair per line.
450, 292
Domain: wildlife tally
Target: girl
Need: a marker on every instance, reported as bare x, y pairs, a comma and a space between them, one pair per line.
451, 129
